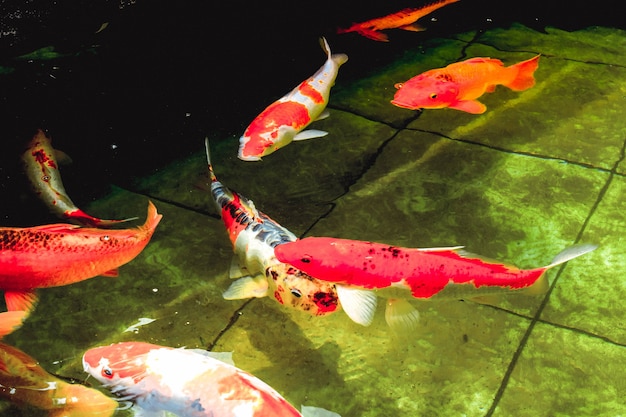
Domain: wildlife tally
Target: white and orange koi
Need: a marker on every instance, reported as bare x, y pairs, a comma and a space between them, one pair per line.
186, 382
285, 120
41, 168
254, 236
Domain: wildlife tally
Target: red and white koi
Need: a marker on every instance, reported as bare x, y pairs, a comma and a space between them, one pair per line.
186, 382
41, 168
285, 120
254, 235
358, 267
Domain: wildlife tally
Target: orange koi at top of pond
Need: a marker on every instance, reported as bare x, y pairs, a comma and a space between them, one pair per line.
61, 254
357, 266
458, 85
41, 168
24, 382
404, 19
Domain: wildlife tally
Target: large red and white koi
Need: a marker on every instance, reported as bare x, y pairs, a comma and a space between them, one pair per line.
186, 382
254, 235
41, 168
358, 267
285, 120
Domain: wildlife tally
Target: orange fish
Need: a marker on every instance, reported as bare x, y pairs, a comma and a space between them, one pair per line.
42, 170
458, 85
61, 254
24, 382
404, 19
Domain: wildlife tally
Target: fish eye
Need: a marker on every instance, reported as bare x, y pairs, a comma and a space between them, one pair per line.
296, 293
45, 178
107, 372
105, 238
398, 86
433, 96
306, 260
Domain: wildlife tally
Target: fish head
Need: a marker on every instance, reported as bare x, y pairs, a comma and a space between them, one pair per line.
314, 255
293, 288
252, 147
425, 92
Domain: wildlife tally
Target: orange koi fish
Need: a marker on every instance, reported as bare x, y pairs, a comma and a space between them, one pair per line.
42, 170
357, 267
458, 85
285, 120
186, 382
254, 236
24, 382
61, 254
404, 19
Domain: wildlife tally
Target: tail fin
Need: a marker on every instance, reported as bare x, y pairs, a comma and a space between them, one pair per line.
525, 78
152, 219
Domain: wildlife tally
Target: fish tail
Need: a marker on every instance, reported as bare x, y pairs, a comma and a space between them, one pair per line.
571, 253
524, 78
339, 59
152, 219
208, 154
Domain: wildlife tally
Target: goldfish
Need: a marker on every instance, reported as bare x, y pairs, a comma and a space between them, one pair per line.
186, 382
254, 235
458, 85
358, 267
405, 19
61, 254
42, 169
284, 120
24, 382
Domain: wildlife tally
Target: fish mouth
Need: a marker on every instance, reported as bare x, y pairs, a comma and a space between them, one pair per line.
249, 158
404, 105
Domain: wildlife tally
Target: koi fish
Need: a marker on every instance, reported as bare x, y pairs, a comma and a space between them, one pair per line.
41, 168
186, 382
61, 254
24, 382
357, 267
458, 85
404, 19
285, 120
254, 235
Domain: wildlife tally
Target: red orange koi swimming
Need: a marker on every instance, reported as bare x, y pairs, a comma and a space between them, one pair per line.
24, 382
284, 120
186, 382
42, 169
361, 270
62, 254
405, 19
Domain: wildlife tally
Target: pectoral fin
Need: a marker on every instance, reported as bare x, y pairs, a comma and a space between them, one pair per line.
359, 305
317, 412
309, 134
20, 300
323, 115
401, 316
236, 270
413, 27
10, 321
247, 287
469, 106
226, 357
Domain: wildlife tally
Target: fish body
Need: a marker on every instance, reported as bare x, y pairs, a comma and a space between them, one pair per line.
404, 19
254, 235
458, 85
24, 382
435, 273
61, 254
188, 383
285, 120
42, 169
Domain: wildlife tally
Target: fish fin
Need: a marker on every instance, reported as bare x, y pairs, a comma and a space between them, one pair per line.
61, 157
571, 253
226, 357
247, 287
309, 134
56, 228
323, 115
142, 412
373, 35
20, 300
488, 299
359, 305
413, 27
469, 106
540, 286
525, 74
490, 88
236, 270
401, 316
10, 321
112, 273
442, 249
317, 412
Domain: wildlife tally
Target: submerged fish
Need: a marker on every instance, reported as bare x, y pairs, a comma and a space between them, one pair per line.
254, 236
42, 170
61, 254
188, 383
404, 19
24, 382
357, 267
285, 120
458, 85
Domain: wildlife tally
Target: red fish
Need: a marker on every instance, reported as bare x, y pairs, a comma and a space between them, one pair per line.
41, 168
186, 382
285, 120
24, 382
404, 19
458, 85
422, 273
61, 254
